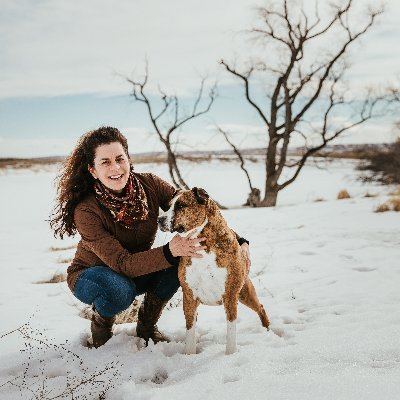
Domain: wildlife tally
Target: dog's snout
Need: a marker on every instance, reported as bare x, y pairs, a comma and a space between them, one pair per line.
163, 223
180, 229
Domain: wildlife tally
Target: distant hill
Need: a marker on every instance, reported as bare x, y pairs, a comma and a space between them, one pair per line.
357, 151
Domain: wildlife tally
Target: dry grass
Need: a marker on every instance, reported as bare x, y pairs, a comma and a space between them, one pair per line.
86, 312
392, 204
395, 202
382, 208
53, 248
62, 260
130, 314
56, 278
343, 194
127, 316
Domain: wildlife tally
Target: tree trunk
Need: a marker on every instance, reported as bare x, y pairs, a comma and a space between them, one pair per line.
270, 198
174, 169
271, 183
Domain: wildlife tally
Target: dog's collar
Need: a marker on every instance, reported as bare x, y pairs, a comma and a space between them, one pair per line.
198, 228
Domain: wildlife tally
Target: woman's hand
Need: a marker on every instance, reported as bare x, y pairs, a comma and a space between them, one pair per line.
246, 252
186, 246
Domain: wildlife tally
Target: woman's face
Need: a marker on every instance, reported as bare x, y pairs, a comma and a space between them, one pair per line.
111, 166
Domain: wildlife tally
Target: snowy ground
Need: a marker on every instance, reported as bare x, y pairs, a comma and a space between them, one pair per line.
327, 272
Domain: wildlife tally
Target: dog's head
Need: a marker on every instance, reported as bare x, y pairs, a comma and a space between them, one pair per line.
187, 211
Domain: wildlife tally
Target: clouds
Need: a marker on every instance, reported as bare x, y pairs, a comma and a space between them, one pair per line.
56, 47
59, 47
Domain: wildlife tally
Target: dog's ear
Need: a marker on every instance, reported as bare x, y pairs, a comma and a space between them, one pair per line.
201, 195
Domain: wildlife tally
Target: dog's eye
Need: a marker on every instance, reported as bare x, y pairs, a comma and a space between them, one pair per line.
179, 206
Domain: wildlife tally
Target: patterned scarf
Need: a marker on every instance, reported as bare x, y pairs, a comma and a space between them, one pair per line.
129, 207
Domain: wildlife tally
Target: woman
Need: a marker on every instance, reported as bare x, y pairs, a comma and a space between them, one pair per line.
115, 212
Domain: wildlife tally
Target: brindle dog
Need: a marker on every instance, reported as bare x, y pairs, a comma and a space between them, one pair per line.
220, 277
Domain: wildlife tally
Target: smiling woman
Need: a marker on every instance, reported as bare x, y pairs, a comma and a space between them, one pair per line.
115, 212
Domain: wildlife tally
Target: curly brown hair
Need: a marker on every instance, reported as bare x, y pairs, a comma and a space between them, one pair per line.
74, 182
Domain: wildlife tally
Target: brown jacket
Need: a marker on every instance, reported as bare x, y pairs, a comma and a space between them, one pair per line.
126, 251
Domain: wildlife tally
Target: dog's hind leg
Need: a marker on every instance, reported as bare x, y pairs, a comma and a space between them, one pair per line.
248, 297
190, 310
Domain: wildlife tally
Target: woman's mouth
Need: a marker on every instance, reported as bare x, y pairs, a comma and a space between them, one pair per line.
116, 177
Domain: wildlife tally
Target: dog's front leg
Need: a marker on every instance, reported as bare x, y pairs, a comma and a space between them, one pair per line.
230, 304
190, 310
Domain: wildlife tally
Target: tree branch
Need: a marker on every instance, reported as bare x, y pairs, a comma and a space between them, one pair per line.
245, 80
239, 154
332, 63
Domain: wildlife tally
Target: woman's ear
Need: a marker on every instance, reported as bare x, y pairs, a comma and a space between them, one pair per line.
92, 171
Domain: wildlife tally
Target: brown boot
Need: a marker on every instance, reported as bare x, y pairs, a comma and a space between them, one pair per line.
101, 328
149, 312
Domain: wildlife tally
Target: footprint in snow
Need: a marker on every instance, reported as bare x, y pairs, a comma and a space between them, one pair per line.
159, 377
364, 269
231, 377
282, 333
308, 253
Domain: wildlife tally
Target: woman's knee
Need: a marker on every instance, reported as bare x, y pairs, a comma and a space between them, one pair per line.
109, 291
121, 295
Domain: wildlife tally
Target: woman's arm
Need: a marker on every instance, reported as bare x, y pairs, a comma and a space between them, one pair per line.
106, 247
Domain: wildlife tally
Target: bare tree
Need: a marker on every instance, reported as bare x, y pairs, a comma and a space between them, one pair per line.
304, 85
253, 199
173, 117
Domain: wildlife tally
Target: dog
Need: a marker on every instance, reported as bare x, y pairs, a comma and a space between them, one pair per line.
220, 277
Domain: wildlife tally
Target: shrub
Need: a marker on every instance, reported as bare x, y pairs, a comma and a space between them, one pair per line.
343, 194
383, 165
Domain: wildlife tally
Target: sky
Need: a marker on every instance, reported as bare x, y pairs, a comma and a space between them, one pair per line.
63, 66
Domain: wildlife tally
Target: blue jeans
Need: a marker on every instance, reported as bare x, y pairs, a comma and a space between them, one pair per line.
112, 293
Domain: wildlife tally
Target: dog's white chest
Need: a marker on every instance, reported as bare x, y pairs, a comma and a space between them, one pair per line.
206, 279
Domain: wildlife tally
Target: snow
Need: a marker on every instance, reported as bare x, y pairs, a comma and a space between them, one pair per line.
327, 272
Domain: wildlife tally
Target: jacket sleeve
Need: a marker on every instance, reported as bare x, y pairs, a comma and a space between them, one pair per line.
108, 249
240, 239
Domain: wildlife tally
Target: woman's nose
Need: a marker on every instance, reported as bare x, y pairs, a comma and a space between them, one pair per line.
115, 165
